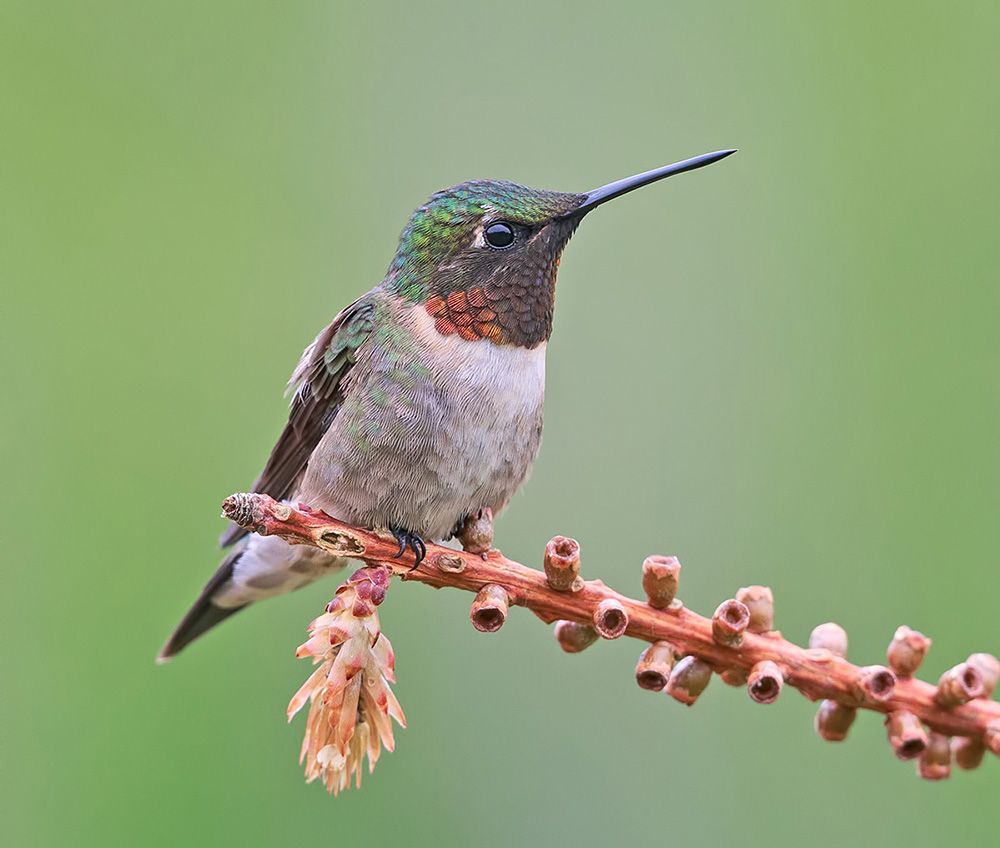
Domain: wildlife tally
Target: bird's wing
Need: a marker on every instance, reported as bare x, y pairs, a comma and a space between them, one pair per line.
318, 386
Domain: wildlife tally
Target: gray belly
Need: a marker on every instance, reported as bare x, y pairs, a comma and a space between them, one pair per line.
418, 447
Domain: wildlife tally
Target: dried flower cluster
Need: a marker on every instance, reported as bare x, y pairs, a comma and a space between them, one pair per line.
954, 721
351, 703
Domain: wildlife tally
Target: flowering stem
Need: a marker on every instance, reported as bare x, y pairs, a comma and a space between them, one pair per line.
817, 672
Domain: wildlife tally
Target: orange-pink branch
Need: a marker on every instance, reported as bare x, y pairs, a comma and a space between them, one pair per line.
725, 643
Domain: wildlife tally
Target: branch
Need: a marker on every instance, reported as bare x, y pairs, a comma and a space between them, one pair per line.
738, 642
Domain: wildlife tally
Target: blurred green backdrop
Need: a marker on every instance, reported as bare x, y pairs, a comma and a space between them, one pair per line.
782, 369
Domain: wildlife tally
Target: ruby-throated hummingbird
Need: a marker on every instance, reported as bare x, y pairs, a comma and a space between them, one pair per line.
421, 403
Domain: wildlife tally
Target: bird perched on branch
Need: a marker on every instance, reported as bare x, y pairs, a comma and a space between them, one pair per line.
421, 403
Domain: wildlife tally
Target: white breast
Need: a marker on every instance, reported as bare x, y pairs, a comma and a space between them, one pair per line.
511, 379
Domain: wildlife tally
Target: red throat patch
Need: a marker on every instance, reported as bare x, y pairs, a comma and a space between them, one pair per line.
473, 314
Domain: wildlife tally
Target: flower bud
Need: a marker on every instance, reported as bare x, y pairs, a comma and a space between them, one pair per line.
350, 703
489, 609
833, 720
610, 619
574, 637
959, 685
688, 680
968, 753
765, 682
476, 534
734, 677
370, 584
362, 608
760, 601
992, 737
653, 668
935, 762
729, 623
873, 683
906, 734
562, 563
831, 637
989, 667
907, 651
660, 578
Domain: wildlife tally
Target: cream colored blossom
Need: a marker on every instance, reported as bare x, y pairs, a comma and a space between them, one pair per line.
351, 703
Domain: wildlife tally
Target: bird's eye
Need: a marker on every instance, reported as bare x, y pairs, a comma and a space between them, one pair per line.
500, 235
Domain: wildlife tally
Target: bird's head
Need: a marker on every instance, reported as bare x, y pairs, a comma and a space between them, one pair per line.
482, 256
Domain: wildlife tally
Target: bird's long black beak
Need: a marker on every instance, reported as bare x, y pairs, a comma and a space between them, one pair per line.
617, 189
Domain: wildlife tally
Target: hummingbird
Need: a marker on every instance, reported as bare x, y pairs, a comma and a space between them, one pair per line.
420, 404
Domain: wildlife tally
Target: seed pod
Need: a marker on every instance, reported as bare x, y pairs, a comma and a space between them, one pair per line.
562, 563
574, 637
907, 651
831, 637
906, 734
688, 680
935, 762
729, 622
610, 619
660, 578
959, 685
765, 682
833, 720
489, 609
653, 669
760, 601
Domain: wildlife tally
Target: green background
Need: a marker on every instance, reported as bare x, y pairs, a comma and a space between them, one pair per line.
782, 369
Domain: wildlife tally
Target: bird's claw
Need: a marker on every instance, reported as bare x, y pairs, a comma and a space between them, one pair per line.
414, 542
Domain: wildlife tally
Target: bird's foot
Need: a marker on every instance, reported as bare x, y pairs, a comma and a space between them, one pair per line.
414, 542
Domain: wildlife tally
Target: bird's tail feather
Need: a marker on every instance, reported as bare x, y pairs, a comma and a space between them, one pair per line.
204, 615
